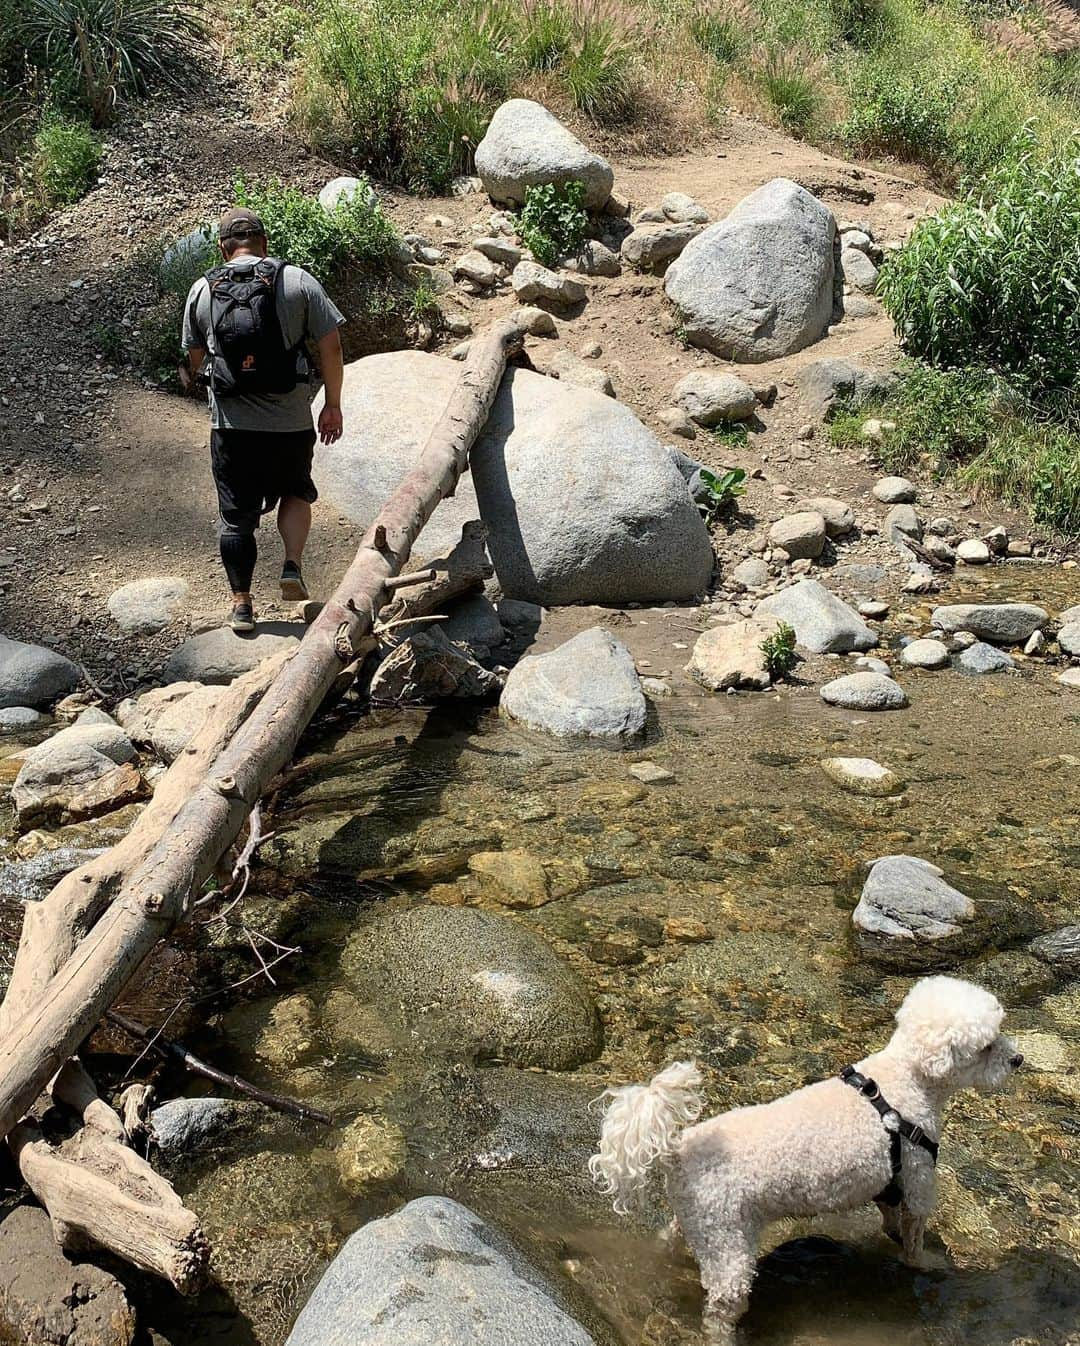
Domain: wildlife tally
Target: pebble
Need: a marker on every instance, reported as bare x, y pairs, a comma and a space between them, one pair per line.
650, 774
925, 654
983, 658
864, 691
1036, 643
894, 491
863, 776
872, 607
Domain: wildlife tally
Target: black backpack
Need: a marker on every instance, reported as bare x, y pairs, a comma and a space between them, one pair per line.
250, 356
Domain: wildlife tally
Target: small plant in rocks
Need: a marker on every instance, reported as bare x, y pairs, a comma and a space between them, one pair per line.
716, 494
778, 652
553, 222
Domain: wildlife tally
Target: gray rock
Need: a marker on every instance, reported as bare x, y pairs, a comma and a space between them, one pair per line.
859, 306
906, 901
731, 656
475, 267
983, 658
942, 527
1061, 948
168, 718
894, 491
587, 687
872, 665
1000, 623
751, 573
188, 258
925, 654
53, 770
570, 368
902, 522
801, 535
474, 622
824, 624
1069, 616
220, 655
426, 667
31, 675
858, 270
531, 281
593, 258
862, 776
860, 239
18, 719
344, 189
31, 880
759, 284
499, 250
650, 247
1070, 678
147, 605
973, 552
519, 617
864, 691
683, 209
473, 983
677, 421
838, 515
433, 1272
185, 1124
1069, 637
526, 146
582, 502
712, 397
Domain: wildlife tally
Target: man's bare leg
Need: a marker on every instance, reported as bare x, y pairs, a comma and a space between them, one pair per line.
294, 525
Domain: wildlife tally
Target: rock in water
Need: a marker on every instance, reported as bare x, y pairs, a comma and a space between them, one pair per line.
983, 658
183, 1125
1000, 623
53, 772
730, 656
906, 901
31, 675
476, 983
1060, 947
433, 1272
823, 623
146, 605
472, 621
759, 284
862, 776
582, 502
527, 146
31, 880
586, 688
427, 667
864, 691
220, 655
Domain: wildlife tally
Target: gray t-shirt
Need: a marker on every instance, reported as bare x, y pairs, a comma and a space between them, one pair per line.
306, 313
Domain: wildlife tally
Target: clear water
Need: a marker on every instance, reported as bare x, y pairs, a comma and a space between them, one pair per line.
753, 841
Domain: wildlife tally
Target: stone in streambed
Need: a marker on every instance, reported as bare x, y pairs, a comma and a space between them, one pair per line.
371, 1154
587, 687
973, 552
426, 667
31, 675
801, 535
1060, 948
514, 878
1069, 637
925, 654
731, 656
220, 655
434, 1272
894, 491
53, 772
474, 622
983, 658
531, 282
477, 983
184, 1125
862, 776
712, 398
999, 623
905, 901
650, 247
823, 623
1070, 678
864, 691
31, 880
838, 515
145, 606
18, 719
168, 718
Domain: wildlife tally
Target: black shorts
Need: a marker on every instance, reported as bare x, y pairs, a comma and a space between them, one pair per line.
254, 469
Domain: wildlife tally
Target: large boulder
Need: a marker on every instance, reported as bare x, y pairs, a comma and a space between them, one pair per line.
759, 284
824, 383
476, 984
168, 718
53, 772
581, 501
999, 623
906, 902
527, 146
433, 1272
823, 623
31, 675
586, 688
220, 655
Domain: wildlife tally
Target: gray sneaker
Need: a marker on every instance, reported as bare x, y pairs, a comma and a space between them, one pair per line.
242, 618
293, 588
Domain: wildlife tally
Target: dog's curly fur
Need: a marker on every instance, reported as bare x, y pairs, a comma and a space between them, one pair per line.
822, 1148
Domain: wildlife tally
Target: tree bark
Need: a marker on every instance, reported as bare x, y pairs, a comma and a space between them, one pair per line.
153, 893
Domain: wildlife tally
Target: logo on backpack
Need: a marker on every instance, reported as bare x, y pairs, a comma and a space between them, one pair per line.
249, 354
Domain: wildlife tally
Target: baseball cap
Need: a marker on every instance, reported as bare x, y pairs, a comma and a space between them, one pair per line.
239, 222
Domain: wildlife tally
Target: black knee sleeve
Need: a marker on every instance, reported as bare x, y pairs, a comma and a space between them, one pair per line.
238, 554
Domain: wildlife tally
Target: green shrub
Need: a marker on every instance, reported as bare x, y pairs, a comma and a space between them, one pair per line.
792, 89
65, 161
715, 495
299, 229
552, 222
778, 652
96, 50
897, 111
719, 33
597, 73
994, 279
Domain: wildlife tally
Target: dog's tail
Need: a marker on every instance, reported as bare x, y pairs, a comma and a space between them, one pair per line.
641, 1126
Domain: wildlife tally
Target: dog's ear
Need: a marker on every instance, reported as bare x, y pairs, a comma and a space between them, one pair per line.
944, 1020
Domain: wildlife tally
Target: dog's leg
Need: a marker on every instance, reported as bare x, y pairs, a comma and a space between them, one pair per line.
728, 1265
890, 1221
912, 1231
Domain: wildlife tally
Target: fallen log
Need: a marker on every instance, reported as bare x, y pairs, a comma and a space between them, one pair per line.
153, 893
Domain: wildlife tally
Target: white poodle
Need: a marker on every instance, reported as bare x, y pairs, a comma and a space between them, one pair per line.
868, 1135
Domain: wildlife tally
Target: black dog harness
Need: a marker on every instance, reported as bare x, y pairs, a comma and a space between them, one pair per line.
897, 1127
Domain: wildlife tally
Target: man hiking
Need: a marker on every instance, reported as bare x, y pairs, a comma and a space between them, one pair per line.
250, 322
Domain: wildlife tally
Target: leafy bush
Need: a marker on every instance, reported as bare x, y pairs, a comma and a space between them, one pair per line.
552, 222
65, 160
792, 90
995, 278
300, 230
96, 50
896, 110
778, 652
715, 495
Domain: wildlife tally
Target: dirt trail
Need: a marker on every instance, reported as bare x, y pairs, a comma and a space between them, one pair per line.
105, 478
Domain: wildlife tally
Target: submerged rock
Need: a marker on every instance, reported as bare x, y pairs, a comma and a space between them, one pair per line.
587, 687
31, 880
426, 667
823, 623
370, 1154
864, 691
862, 776
905, 901
514, 878
31, 675
525, 145
1061, 948
759, 284
434, 1272
183, 1125
582, 503
999, 623
480, 984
